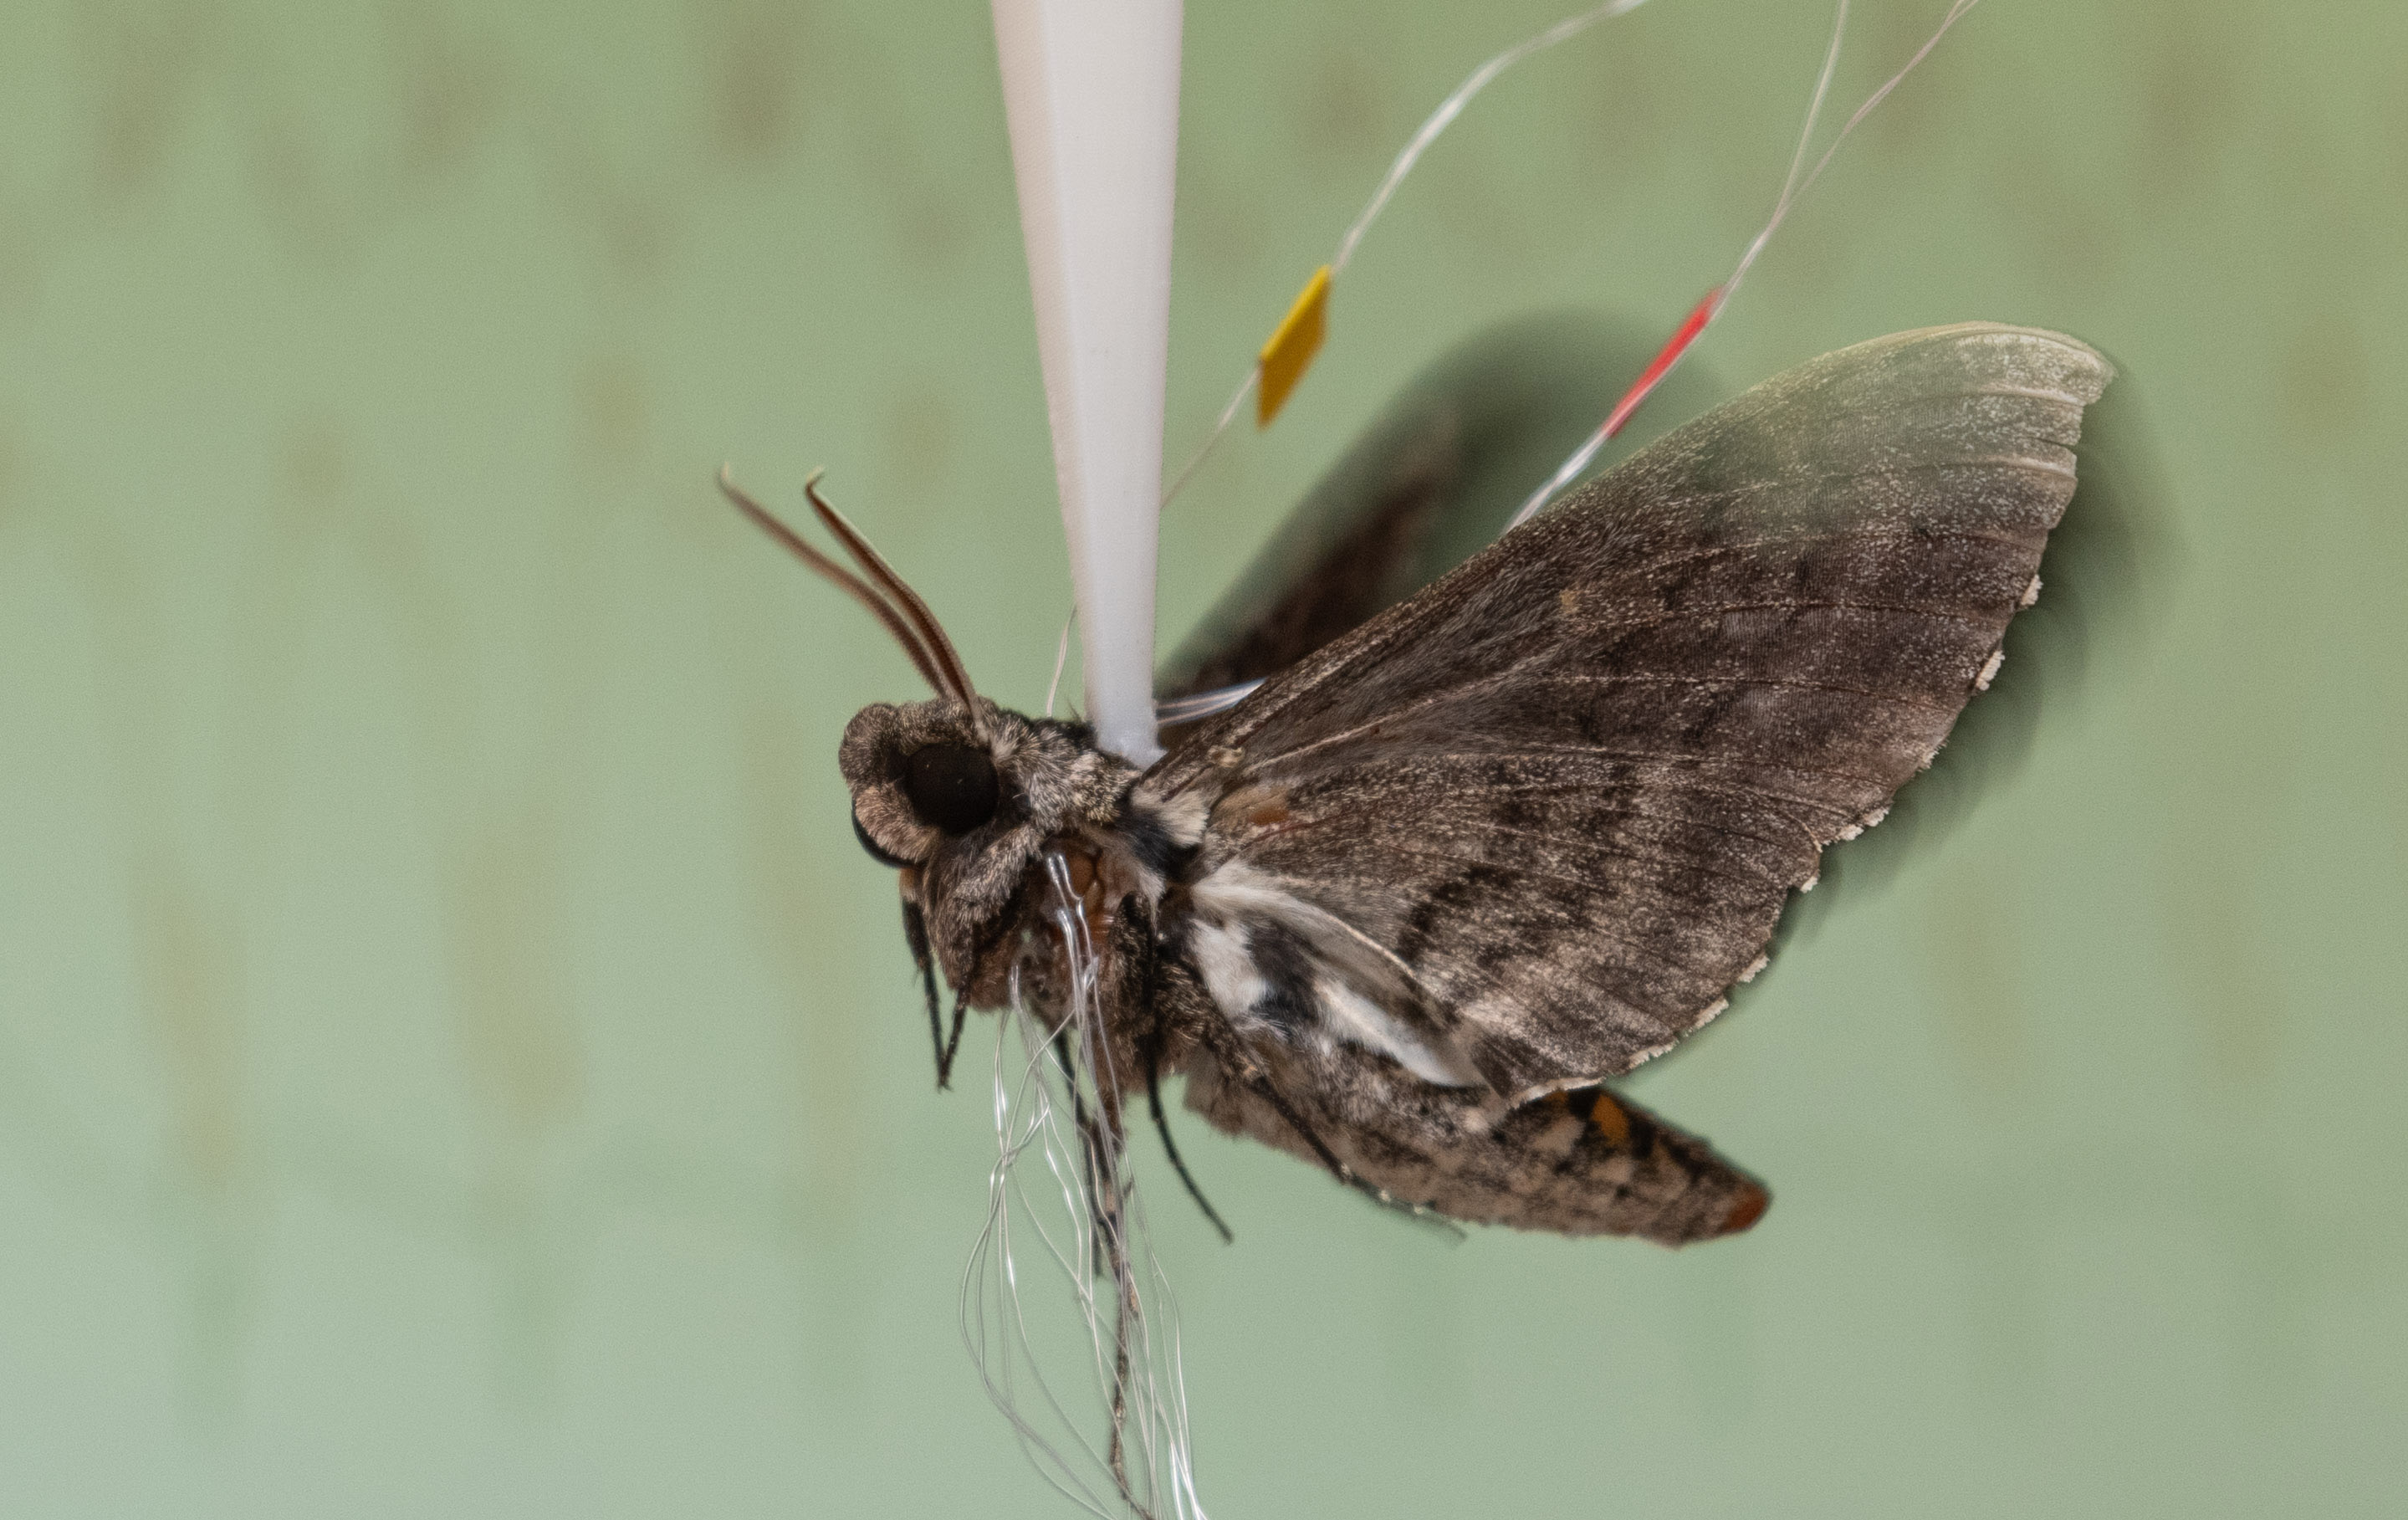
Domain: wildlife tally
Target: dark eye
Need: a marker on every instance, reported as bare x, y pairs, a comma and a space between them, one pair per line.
871, 845
952, 786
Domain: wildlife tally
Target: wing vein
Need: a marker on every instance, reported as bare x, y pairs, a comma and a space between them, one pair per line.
1652, 679
1668, 561
1769, 877
1461, 690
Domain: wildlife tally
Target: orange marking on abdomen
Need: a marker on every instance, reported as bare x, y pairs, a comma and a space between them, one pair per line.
1747, 1209
1610, 1122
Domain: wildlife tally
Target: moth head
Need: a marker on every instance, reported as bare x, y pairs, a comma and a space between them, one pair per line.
956, 792
921, 776
962, 791
965, 803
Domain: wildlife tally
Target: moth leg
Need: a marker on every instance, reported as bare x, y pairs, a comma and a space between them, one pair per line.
1124, 1312
1100, 1139
915, 934
1152, 1052
1150, 1047
953, 1041
1103, 1141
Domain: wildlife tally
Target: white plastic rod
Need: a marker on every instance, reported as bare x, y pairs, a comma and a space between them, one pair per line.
1091, 87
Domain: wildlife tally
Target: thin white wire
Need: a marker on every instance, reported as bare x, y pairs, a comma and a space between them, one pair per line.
1221, 425
1789, 186
1411, 154
1061, 1212
1127, 1221
1572, 468
1061, 659
1204, 704
1028, 1119
1792, 190
1022, 1119
1955, 13
1452, 106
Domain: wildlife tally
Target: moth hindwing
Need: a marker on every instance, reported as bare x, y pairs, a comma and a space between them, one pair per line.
1407, 908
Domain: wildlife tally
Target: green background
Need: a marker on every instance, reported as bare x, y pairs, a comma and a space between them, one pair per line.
454, 1061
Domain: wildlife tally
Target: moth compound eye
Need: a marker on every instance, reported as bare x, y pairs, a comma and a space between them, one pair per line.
952, 786
870, 845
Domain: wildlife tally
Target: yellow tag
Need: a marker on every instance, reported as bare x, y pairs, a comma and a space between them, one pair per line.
1289, 353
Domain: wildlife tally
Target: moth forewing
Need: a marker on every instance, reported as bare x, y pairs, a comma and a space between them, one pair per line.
1570, 786
1429, 484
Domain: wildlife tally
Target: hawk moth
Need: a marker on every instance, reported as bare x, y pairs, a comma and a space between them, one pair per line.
1457, 864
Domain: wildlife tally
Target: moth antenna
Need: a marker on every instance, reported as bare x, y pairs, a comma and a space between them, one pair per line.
875, 565
850, 583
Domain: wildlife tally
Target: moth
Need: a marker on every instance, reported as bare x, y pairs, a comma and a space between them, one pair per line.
1409, 909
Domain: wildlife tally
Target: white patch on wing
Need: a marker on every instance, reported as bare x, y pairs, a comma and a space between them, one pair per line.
1229, 898
1235, 890
1229, 966
1235, 887
1356, 1019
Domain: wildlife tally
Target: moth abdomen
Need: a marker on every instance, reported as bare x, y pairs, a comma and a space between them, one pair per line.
1610, 1127
1582, 1161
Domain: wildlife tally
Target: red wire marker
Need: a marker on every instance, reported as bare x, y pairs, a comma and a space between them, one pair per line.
1666, 357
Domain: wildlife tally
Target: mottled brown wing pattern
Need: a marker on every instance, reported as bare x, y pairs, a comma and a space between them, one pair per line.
1431, 482
1570, 785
